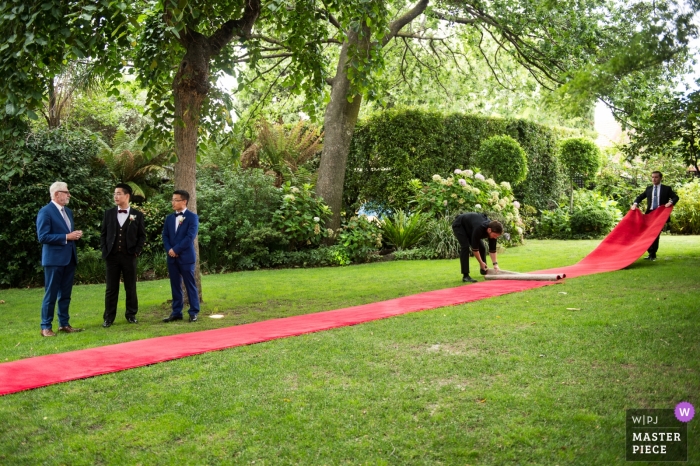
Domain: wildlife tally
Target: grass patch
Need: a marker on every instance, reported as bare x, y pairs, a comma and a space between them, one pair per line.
516, 379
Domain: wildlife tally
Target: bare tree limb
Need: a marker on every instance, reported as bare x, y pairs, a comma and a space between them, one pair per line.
399, 23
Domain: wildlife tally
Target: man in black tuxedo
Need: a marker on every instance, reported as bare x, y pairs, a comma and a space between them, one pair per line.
470, 229
122, 238
656, 195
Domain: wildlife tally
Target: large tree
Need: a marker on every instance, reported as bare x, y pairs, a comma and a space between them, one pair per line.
551, 40
177, 48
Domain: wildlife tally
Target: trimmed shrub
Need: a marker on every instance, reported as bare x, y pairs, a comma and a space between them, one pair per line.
593, 222
503, 159
580, 157
391, 148
57, 155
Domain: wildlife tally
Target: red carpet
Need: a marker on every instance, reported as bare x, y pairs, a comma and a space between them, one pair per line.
625, 244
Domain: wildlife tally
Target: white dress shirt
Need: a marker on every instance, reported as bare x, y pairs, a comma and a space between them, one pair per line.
121, 218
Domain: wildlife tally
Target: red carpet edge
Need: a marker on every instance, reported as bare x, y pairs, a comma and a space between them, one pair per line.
625, 244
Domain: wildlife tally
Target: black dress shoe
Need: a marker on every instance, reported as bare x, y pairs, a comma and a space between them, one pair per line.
132, 320
193, 318
468, 279
650, 258
172, 318
107, 324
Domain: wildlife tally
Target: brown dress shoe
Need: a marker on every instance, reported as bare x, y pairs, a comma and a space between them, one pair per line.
69, 329
47, 332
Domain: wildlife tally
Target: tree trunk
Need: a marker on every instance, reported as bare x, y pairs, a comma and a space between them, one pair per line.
338, 126
341, 116
190, 88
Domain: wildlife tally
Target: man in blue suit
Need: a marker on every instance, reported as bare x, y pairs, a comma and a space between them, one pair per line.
179, 232
56, 232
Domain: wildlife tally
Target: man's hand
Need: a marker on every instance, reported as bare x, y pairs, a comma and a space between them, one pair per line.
634, 207
171, 253
74, 235
669, 204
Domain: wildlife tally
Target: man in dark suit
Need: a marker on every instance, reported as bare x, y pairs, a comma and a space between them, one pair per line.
122, 238
656, 195
179, 232
57, 234
470, 229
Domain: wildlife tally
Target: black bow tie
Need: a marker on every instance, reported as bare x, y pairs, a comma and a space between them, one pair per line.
177, 214
122, 211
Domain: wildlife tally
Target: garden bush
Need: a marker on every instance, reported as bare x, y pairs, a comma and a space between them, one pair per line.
403, 230
56, 155
301, 217
593, 215
441, 239
358, 240
236, 208
391, 148
685, 218
466, 191
503, 159
593, 222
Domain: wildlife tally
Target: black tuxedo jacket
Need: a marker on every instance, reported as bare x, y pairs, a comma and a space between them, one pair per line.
135, 232
665, 194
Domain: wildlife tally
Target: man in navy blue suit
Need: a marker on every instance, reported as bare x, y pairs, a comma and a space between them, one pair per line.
57, 234
179, 232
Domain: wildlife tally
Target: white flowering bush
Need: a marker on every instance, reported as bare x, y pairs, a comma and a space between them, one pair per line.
301, 217
470, 191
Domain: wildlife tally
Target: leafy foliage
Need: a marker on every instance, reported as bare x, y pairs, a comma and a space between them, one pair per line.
670, 127
301, 217
390, 149
236, 211
130, 165
58, 155
580, 157
503, 159
593, 216
358, 240
441, 239
404, 231
467, 191
283, 151
686, 214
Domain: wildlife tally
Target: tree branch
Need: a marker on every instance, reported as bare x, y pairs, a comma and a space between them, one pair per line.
399, 23
241, 27
452, 19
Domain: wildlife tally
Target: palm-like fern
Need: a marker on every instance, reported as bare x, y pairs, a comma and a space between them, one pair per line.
284, 152
403, 230
129, 164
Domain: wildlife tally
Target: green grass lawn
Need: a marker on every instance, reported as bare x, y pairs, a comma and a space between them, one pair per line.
517, 379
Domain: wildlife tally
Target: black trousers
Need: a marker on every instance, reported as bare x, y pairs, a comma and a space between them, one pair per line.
654, 246
118, 266
464, 238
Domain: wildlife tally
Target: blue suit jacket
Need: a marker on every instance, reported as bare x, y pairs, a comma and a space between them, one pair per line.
52, 230
182, 241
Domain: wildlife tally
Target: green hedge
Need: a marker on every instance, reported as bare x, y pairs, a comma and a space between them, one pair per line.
393, 147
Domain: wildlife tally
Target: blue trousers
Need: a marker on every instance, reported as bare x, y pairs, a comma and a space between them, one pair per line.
179, 273
58, 285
